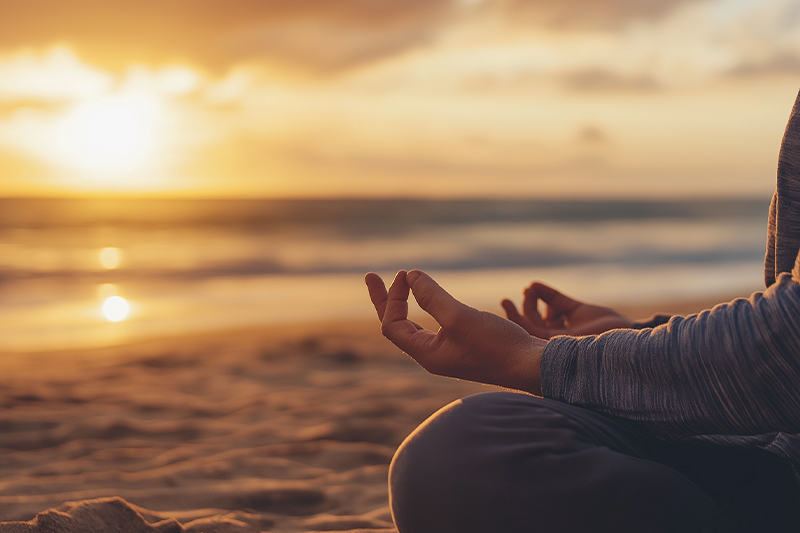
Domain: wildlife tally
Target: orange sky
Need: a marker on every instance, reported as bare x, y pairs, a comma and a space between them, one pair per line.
395, 97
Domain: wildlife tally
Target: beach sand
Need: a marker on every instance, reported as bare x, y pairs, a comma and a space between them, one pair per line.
285, 429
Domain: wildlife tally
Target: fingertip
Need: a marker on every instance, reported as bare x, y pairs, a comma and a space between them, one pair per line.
535, 286
374, 283
399, 287
400, 277
413, 275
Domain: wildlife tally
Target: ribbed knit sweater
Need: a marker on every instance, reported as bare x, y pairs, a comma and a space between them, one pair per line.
730, 375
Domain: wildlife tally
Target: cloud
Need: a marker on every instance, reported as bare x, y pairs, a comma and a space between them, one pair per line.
583, 14
54, 76
317, 35
595, 80
9, 108
592, 135
767, 41
781, 63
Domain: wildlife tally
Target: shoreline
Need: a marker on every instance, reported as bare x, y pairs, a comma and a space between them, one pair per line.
358, 331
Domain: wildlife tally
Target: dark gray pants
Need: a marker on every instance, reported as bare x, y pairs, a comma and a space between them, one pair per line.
504, 462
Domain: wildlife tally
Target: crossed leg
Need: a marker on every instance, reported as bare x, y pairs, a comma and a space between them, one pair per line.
506, 462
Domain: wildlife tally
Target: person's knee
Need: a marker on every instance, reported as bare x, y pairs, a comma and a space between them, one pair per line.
457, 466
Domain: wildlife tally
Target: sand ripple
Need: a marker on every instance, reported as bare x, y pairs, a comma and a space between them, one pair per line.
286, 431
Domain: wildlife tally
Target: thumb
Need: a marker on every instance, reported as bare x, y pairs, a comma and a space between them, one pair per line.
433, 299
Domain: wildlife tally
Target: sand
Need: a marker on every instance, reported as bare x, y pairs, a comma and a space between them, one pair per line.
284, 429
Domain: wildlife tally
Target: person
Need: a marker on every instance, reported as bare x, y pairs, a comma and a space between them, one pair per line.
679, 424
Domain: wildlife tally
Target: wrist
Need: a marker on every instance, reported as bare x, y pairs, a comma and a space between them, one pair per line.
531, 373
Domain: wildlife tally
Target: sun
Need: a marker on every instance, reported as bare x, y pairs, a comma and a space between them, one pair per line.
110, 138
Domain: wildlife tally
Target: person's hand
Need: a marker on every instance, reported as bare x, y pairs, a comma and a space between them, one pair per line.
563, 315
470, 344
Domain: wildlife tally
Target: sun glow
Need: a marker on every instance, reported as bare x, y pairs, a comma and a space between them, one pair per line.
110, 138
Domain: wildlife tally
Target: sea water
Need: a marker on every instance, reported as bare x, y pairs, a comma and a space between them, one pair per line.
185, 266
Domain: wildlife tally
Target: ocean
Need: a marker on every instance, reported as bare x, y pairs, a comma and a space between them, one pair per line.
185, 266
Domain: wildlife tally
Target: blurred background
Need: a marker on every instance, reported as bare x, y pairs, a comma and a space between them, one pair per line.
170, 167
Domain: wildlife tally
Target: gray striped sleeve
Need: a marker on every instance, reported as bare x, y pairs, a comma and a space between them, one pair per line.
653, 321
732, 370
783, 238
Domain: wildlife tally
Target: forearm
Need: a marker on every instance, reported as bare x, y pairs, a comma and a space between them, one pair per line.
732, 370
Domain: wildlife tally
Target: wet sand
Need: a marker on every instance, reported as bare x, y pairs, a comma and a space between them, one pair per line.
284, 429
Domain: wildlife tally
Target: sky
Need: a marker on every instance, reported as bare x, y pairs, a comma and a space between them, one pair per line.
412, 98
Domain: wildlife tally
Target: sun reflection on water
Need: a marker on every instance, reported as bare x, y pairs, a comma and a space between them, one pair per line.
115, 308
110, 258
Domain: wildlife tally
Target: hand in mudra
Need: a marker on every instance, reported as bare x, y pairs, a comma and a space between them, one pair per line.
470, 344
563, 315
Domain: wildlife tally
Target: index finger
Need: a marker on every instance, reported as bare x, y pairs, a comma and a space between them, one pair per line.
554, 299
396, 306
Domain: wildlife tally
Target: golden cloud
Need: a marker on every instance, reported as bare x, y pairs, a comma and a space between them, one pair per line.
313, 34
588, 13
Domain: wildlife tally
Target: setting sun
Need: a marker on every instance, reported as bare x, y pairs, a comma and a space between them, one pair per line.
109, 138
